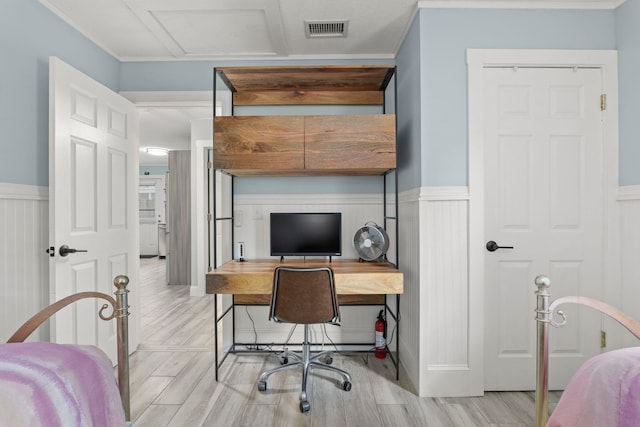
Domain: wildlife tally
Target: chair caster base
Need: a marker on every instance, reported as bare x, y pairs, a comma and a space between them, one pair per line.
262, 386
305, 406
346, 386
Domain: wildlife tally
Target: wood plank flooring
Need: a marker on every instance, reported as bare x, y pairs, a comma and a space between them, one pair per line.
173, 381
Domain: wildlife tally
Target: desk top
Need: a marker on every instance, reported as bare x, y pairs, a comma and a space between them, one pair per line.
352, 277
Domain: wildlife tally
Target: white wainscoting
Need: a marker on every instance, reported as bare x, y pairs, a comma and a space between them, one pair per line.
438, 348
629, 199
411, 345
252, 220
437, 352
24, 265
448, 362
435, 334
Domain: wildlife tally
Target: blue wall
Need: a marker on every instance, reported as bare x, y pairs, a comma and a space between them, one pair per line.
446, 34
409, 110
628, 44
432, 92
29, 35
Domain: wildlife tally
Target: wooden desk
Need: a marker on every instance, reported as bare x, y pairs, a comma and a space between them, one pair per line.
352, 277
356, 282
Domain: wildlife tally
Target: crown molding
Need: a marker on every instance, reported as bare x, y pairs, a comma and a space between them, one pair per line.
171, 99
525, 4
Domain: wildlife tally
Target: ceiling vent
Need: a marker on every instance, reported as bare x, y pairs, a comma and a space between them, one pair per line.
334, 28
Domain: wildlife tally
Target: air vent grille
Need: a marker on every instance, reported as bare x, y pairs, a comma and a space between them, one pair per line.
332, 28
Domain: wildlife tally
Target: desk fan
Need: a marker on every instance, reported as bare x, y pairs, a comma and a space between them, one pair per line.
371, 242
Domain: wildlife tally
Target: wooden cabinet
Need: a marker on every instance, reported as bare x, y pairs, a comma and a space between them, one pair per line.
246, 144
351, 144
306, 145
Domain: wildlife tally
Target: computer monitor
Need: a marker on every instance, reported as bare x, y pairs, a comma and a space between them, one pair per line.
306, 234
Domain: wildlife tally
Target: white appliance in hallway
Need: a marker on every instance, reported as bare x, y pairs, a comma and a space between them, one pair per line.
151, 197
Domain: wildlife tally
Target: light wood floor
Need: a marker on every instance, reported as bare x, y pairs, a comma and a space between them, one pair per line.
173, 382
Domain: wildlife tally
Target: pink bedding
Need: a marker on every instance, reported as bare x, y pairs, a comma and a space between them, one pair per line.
45, 384
605, 391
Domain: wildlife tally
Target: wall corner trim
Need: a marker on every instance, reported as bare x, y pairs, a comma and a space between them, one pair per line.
23, 192
444, 193
628, 192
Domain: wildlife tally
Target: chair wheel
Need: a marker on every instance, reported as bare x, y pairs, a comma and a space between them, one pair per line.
284, 360
328, 360
262, 385
346, 386
304, 406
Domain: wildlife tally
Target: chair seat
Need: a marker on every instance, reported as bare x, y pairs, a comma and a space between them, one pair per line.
304, 296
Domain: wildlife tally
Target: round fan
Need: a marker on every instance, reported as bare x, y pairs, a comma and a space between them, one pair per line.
371, 242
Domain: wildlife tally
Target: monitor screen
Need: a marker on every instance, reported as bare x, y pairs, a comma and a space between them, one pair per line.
306, 234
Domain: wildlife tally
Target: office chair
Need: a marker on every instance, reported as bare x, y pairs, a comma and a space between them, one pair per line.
306, 296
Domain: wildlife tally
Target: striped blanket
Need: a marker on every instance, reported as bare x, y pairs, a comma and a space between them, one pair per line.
46, 384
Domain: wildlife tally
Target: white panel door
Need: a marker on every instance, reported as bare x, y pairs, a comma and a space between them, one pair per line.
93, 185
544, 198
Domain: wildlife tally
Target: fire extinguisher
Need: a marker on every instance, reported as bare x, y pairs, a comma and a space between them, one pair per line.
381, 336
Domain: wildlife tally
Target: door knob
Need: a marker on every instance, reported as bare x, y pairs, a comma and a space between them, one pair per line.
493, 246
66, 250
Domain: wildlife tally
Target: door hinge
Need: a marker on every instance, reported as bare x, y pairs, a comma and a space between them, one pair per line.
209, 165
603, 102
209, 217
603, 339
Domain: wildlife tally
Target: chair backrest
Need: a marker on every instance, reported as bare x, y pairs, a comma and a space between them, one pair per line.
304, 295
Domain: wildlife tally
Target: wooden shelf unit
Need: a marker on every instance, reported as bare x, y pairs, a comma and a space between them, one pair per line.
306, 85
300, 145
362, 144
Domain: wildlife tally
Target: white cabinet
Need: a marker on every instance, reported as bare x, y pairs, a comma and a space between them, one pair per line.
151, 199
148, 237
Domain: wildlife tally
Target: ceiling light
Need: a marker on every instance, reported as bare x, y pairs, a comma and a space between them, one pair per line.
155, 151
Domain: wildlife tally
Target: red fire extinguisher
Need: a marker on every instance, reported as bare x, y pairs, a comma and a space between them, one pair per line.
381, 336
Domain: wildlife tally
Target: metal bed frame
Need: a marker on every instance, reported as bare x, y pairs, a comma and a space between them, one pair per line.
119, 310
545, 310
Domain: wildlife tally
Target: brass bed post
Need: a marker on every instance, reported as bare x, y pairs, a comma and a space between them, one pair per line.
543, 318
122, 314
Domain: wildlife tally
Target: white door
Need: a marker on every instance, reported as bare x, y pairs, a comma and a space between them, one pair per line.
93, 186
544, 197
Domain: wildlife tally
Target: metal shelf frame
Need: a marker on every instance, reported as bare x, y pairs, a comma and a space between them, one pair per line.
393, 312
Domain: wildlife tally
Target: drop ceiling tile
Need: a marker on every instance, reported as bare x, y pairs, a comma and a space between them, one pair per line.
218, 32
